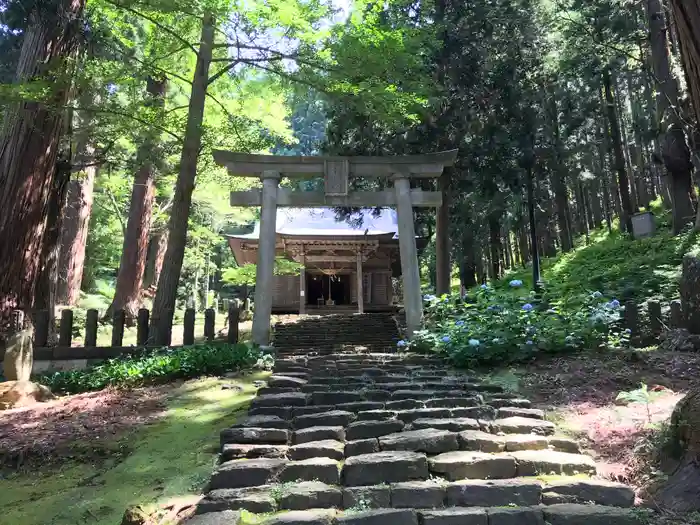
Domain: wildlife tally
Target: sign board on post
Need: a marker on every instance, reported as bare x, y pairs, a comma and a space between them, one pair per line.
643, 224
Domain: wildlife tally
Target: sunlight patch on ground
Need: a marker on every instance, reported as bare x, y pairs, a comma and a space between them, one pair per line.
170, 459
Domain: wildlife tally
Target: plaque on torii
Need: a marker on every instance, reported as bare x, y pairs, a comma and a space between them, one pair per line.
336, 172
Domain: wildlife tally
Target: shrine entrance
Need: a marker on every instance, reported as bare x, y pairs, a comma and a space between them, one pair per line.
328, 290
337, 173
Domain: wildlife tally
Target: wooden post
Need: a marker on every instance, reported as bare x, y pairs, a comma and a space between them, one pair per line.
65, 332
302, 285
142, 327
233, 315
118, 327
676, 314
360, 291
41, 328
188, 332
209, 324
91, 319
655, 320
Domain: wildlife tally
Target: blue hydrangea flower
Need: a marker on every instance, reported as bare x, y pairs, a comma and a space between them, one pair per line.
515, 283
596, 295
569, 339
429, 297
459, 323
615, 303
484, 286
445, 338
402, 343
527, 307
528, 342
474, 342
492, 308
495, 340
628, 331
551, 311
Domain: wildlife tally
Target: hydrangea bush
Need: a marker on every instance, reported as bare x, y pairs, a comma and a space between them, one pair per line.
497, 327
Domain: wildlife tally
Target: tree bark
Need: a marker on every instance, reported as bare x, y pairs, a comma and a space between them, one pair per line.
495, 243
127, 295
674, 147
166, 294
686, 14
45, 292
616, 141
74, 230
154, 260
29, 141
442, 241
559, 180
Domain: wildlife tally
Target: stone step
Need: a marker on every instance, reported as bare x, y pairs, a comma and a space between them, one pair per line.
564, 514
384, 467
481, 465
328, 448
254, 472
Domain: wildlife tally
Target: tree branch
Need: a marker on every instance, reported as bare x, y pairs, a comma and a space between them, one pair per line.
171, 32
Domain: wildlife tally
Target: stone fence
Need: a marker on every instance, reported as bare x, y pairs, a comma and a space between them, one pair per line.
89, 350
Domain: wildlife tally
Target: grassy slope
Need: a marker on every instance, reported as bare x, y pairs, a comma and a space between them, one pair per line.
640, 269
170, 459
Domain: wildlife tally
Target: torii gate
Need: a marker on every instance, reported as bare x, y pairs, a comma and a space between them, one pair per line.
337, 172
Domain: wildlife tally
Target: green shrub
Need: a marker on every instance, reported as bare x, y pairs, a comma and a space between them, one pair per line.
498, 327
156, 367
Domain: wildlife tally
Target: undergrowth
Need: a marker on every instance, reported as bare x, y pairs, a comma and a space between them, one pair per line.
157, 366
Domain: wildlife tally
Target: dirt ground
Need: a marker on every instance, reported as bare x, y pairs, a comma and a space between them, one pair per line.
74, 427
579, 393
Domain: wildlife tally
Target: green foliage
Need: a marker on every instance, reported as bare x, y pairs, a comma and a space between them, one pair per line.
158, 366
628, 269
245, 275
500, 327
640, 395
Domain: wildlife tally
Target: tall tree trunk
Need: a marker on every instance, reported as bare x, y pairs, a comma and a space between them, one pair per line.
616, 141
45, 292
127, 295
495, 243
74, 230
442, 241
29, 141
166, 294
468, 265
686, 14
559, 179
154, 260
674, 147
626, 148
522, 240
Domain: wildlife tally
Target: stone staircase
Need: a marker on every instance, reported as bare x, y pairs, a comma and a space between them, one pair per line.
389, 439
375, 332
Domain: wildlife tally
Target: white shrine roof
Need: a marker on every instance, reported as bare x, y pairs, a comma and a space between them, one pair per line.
302, 222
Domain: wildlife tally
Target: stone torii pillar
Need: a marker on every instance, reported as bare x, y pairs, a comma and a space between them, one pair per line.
412, 300
266, 258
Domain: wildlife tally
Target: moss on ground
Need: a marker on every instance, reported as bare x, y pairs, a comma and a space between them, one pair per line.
170, 459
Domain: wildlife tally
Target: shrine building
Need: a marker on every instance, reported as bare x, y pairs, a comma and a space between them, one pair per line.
332, 253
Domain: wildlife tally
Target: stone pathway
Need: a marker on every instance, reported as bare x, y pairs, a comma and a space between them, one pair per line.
387, 439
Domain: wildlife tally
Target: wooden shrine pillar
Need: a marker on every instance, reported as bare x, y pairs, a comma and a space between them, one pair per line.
302, 284
264, 275
413, 302
360, 291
